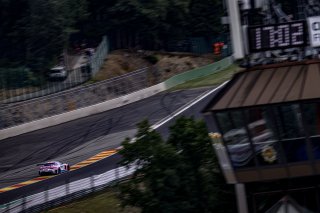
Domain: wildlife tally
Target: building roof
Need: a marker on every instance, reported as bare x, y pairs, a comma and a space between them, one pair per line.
287, 204
270, 84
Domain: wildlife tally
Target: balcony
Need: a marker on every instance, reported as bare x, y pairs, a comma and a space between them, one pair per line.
269, 121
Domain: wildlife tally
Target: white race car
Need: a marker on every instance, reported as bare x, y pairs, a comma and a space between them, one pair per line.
53, 167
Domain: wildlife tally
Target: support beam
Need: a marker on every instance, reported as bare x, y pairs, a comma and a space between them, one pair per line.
241, 198
235, 29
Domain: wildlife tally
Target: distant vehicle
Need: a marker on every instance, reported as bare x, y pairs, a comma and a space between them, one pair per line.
53, 167
58, 73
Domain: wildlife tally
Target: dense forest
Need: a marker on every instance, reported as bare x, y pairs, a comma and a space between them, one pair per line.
35, 32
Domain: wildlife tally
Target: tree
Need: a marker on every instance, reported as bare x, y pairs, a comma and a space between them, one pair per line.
205, 17
35, 31
11, 42
154, 24
180, 175
47, 28
137, 22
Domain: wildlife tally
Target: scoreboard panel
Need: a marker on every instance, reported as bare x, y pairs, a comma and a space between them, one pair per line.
277, 36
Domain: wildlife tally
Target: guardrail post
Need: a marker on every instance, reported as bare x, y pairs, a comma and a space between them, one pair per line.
46, 195
117, 174
8, 208
67, 189
67, 184
92, 183
24, 205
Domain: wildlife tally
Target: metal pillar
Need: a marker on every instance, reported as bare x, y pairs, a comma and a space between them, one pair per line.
235, 29
241, 198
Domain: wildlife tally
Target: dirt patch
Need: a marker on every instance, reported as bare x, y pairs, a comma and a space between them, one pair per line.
120, 62
170, 65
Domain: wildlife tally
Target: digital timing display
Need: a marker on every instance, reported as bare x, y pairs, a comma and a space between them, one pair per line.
277, 36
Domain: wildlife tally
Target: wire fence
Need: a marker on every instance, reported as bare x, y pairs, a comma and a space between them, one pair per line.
21, 112
67, 192
21, 84
14, 114
99, 56
75, 77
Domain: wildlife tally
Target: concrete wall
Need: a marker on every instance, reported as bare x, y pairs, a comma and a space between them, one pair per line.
69, 100
80, 113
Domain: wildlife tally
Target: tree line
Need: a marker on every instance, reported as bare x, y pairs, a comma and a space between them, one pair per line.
33, 33
180, 174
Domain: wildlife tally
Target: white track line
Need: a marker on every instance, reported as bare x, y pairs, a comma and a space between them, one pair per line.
186, 106
179, 111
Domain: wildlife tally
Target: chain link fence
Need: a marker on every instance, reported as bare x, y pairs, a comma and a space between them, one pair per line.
21, 112
200, 45
21, 84
14, 114
75, 77
101, 53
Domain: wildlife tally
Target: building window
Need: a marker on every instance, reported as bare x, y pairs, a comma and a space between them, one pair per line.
224, 121
236, 138
292, 124
263, 136
291, 132
311, 117
271, 135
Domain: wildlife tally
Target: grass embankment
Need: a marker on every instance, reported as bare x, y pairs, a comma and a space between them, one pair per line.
107, 201
210, 80
101, 202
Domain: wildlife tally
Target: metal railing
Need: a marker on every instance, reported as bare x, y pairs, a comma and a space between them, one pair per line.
14, 114
67, 192
100, 55
18, 86
18, 113
75, 77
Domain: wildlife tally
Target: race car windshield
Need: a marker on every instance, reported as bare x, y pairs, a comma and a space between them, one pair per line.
55, 71
49, 164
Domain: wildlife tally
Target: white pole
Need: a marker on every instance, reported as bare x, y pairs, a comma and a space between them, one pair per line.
235, 29
241, 198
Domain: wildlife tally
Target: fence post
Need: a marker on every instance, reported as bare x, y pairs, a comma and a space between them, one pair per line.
24, 206
67, 182
8, 208
92, 185
117, 176
46, 194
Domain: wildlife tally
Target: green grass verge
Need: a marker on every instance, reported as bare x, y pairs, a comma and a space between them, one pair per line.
210, 80
101, 202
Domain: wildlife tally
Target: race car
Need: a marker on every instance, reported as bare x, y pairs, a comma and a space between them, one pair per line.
53, 167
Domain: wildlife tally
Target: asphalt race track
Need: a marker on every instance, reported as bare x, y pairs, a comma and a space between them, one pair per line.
78, 140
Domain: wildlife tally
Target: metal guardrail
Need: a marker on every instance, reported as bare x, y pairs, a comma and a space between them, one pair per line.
65, 101
75, 77
67, 192
71, 191
23, 112
76, 98
85, 69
